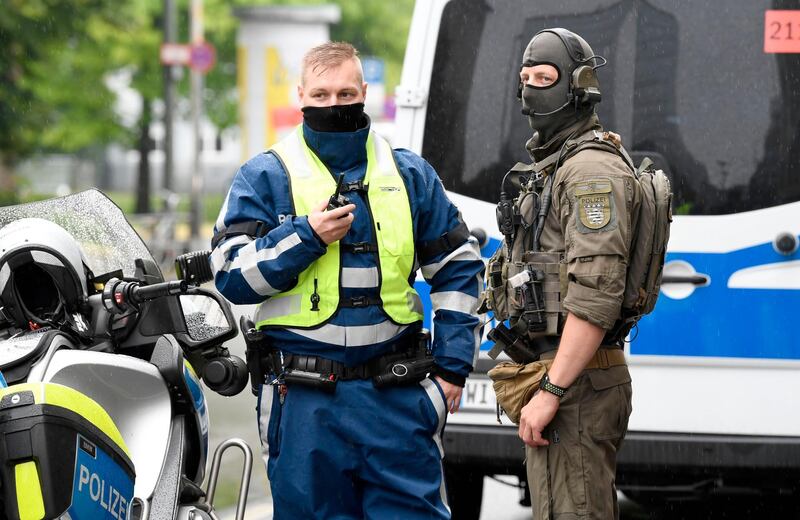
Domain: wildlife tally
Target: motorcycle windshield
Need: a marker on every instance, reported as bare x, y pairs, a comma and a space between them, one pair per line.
107, 240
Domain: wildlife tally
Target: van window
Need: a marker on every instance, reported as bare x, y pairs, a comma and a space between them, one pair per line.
686, 80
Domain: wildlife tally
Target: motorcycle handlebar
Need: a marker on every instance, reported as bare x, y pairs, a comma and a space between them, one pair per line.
119, 296
140, 294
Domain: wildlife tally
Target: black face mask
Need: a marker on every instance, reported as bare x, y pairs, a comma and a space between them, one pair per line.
547, 109
551, 109
336, 118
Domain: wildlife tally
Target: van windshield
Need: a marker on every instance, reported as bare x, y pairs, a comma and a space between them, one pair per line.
685, 79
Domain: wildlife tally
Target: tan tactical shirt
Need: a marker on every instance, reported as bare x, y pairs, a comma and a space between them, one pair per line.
595, 200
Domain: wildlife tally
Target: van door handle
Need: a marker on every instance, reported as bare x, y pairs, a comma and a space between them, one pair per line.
695, 279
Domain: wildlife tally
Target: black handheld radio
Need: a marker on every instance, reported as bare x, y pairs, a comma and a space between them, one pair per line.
338, 200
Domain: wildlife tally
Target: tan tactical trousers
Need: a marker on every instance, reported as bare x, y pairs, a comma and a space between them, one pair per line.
573, 477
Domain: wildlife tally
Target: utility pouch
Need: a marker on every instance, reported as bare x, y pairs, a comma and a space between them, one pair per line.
408, 369
404, 372
514, 385
315, 380
534, 293
262, 358
494, 296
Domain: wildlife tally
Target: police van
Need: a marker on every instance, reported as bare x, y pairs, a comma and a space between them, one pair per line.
709, 91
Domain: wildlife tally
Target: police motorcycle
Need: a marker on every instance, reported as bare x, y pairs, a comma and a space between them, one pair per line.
102, 414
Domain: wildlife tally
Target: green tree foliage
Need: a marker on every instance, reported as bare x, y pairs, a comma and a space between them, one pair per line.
52, 96
56, 57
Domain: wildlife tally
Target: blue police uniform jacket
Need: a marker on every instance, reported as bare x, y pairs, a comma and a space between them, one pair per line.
249, 270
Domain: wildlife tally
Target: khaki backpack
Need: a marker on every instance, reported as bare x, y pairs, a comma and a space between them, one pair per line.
649, 247
650, 236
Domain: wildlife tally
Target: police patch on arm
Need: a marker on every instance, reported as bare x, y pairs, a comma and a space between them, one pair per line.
594, 205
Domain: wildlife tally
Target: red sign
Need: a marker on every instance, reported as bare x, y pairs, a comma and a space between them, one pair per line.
175, 54
782, 31
203, 57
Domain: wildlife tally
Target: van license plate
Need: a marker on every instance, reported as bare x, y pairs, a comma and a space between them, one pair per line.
478, 394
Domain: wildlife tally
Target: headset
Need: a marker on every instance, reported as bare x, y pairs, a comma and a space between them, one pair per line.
585, 86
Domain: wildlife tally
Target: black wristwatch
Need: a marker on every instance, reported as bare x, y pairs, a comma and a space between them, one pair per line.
547, 386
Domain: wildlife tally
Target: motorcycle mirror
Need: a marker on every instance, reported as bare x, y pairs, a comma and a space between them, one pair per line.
208, 320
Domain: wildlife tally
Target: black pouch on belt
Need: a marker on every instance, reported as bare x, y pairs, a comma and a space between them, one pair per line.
409, 367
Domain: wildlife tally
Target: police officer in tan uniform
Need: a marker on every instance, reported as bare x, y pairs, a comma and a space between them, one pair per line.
576, 420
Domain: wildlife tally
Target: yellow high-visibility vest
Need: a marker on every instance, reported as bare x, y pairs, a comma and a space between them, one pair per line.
311, 183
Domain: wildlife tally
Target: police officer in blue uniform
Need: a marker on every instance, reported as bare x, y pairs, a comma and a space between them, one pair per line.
354, 429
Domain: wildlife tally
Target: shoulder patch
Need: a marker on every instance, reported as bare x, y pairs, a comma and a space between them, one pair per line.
595, 206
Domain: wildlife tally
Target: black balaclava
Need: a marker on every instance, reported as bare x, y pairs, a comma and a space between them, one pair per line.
336, 118
553, 108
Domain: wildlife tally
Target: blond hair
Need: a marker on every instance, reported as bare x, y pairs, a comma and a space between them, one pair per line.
329, 55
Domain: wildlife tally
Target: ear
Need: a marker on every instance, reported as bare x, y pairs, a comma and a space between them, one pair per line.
364, 90
300, 93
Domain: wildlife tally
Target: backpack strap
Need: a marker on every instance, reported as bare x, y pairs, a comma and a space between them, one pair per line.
593, 139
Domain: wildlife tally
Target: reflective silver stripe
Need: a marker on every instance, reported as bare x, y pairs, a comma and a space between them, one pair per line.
442, 489
415, 302
454, 301
255, 279
352, 336
441, 410
219, 257
283, 306
248, 259
220, 223
477, 334
361, 277
43, 257
467, 251
249, 255
264, 412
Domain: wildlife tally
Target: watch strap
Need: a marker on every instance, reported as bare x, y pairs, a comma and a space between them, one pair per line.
547, 386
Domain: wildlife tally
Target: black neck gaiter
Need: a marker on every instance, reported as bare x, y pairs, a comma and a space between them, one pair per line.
336, 118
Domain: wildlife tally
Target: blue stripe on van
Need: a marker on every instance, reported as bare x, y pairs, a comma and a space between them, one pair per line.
718, 321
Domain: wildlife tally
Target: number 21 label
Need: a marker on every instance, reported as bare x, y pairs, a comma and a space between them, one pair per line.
782, 31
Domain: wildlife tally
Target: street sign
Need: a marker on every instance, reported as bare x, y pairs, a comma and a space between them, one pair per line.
203, 57
175, 54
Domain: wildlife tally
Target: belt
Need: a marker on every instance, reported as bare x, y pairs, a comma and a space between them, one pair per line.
403, 349
603, 358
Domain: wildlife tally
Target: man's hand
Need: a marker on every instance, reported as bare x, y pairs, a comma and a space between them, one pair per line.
452, 394
331, 225
535, 417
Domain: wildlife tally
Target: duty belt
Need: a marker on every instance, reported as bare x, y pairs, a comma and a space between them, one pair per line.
403, 349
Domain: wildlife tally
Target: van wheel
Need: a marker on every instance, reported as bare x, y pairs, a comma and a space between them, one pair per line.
464, 492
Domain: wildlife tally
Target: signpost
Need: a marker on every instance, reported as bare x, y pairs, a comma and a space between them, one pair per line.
200, 56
